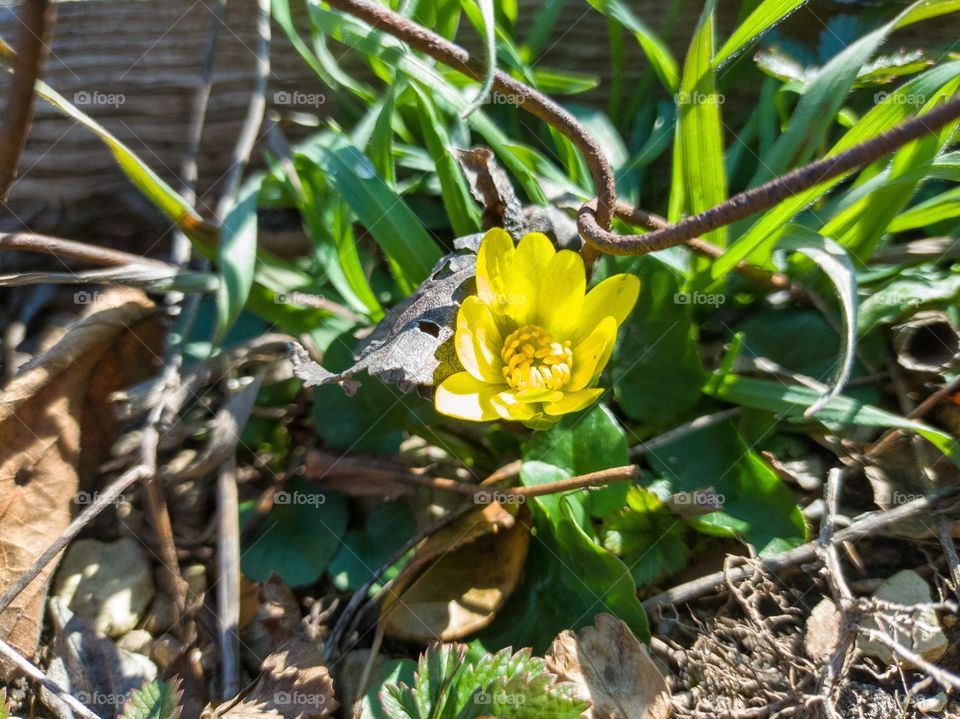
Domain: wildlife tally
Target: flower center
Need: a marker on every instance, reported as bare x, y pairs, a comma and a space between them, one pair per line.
532, 359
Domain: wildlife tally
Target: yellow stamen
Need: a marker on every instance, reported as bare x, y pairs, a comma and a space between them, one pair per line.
532, 359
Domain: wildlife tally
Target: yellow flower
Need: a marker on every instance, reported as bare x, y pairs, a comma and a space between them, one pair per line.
532, 343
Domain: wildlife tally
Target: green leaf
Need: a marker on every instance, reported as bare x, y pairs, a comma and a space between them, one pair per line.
237, 256
373, 419
154, 700
835, 263
385, 530
4, 706
579, 444
945, 206
461, 209
564, 82
496, 685
755, 503
656, 368
392, 672
411, 250
698, 146
379, 45
647, 536
892, 109
792, 401
653, 47
765, 16
298, 537
827, 90
167, 200
567, 581
906, 293
319, 60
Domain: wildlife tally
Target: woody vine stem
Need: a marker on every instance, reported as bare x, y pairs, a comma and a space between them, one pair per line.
595, 217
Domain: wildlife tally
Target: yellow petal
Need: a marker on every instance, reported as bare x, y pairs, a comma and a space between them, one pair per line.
533, 254
561, 294
615, 297
590, 355
509, 407
573, 401
539, 395
478, 341
462, 395
494, 260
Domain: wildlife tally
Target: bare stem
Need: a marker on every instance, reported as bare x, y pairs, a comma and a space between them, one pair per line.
36, 20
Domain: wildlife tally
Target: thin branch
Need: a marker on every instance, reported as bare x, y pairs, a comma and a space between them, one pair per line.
946, 679
228, 587
747, 203
32, 671
36, 19
651, 221
255, 110
80, 251
538, 105
594, 217
103, 500
868, 525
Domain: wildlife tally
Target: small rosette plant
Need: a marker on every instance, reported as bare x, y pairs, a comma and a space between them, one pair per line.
532, 341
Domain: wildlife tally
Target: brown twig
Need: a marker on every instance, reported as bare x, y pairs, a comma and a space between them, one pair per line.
594, 217
80, 251
651, 221
36, 19
103, 500
868, 525
228, 587
32, 671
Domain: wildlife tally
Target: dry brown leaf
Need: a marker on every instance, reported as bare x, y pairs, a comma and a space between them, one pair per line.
294, 682
459, 577
612, 669
55, 428
823, 630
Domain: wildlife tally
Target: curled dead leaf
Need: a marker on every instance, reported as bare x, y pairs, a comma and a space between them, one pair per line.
612, 669
459, 577
56, 426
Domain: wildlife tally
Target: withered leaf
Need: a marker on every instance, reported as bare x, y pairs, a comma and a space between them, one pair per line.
612, 669
459, 577
56, 426
491, 187
413, 345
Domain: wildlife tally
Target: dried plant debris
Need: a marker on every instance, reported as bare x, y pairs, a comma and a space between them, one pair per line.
611, 668
459, 577
294, 682
491, 187
56, 425
413, 345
